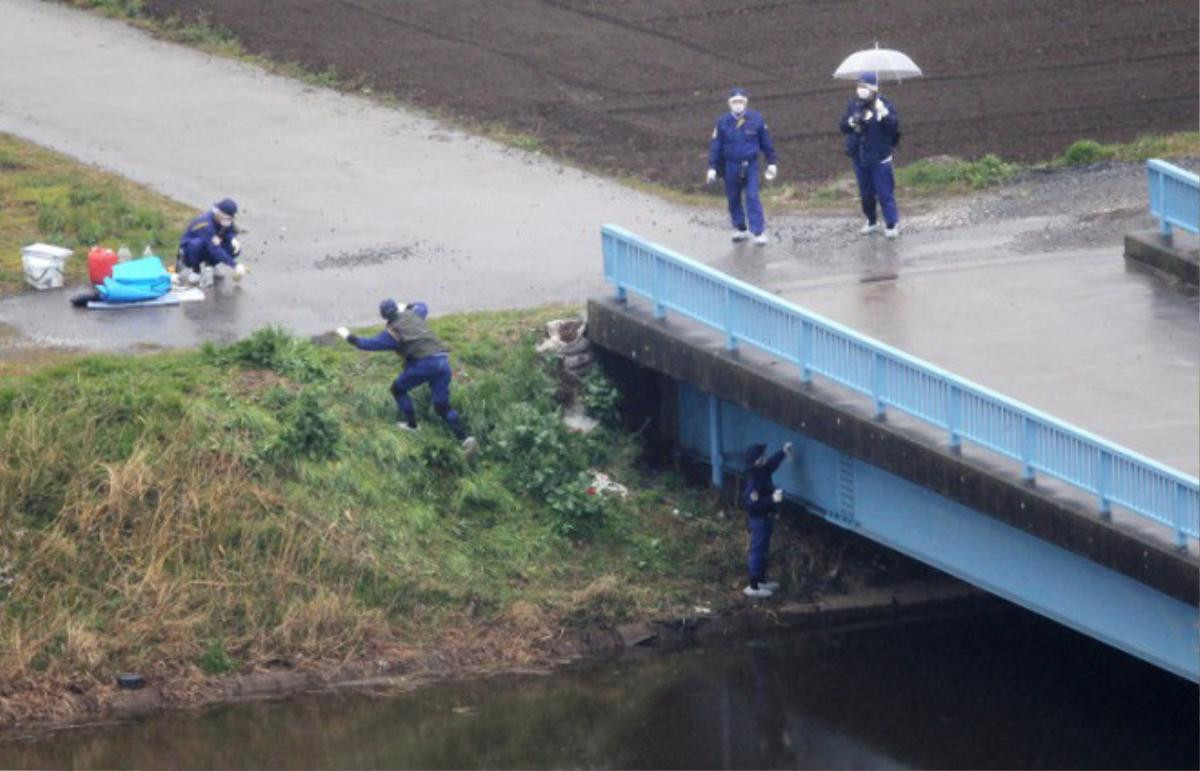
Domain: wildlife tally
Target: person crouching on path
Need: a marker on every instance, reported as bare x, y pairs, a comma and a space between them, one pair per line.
426, 360
738, 138
759, 496
872, 128
210, 240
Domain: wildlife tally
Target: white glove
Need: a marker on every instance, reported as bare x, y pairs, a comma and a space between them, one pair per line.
881, 109
754, 496
193, 277
777, 496
787, 447
772, 170
236, 245
853, 121
343, 332
710, 177
239, 271
867, 116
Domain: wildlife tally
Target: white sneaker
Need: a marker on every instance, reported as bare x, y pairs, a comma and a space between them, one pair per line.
761, 591
403, 426
470, 445
770, 586
740, 235
868, 229
893, 231
760, 239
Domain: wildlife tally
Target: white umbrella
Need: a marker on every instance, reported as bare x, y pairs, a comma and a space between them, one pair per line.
884, 62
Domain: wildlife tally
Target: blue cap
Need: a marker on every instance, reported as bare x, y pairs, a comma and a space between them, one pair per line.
388, 308
419, 308
869, 79
738, 91
754, 452
227, 206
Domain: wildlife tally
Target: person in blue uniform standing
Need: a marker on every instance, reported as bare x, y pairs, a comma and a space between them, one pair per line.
426, 360
210, 240
759, 496
871, 125
739, 137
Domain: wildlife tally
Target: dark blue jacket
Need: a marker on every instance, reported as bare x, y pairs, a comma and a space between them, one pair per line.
874, 139
740, 139
758, 480
205, 238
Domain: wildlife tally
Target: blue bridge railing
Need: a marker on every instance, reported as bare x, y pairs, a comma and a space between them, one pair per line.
1174, 196
892, 378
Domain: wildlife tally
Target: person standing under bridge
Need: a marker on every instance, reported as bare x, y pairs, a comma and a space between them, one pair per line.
759, 497
872, 129
737, 140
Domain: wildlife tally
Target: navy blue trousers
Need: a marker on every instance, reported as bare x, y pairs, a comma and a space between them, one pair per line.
736, 187
434, 370
760, 546
876, 186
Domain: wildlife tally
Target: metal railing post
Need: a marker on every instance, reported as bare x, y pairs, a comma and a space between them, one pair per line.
954, 414
806, 350
660, 310
1180, 514
1028, 446
730, 336
878, 382
1164, 226
1104, 483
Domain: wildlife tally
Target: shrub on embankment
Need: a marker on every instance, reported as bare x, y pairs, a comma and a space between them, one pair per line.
207, 510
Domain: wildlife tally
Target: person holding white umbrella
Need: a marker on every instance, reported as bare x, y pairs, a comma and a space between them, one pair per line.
871, 125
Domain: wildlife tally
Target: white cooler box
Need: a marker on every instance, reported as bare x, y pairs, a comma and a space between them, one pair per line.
43, 265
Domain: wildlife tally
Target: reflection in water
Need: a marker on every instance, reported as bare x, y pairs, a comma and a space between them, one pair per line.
999, 690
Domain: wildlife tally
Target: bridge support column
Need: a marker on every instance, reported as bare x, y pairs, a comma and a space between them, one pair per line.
714, 438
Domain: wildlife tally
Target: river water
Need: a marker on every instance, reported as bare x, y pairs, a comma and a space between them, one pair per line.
1002, 689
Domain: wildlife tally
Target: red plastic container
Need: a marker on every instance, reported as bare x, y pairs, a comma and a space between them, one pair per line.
100, 263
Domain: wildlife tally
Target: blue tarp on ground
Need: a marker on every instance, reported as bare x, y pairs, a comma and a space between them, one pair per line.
142, 279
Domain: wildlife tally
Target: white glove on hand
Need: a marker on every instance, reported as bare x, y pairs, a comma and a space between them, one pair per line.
777, 496
881, 109
754, 496
239, 271
237, 246
853, 121
710, 177
343, 332
772, 170
787, 447
867, 116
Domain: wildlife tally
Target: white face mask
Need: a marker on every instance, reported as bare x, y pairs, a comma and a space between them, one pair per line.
737, 106
863, 92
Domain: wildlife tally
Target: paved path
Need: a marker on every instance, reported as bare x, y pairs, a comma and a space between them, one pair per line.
1025, 292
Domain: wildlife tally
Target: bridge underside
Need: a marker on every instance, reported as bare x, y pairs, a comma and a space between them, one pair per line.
973, 520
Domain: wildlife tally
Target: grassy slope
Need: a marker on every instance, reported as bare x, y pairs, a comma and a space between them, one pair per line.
45, 196
199, 512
